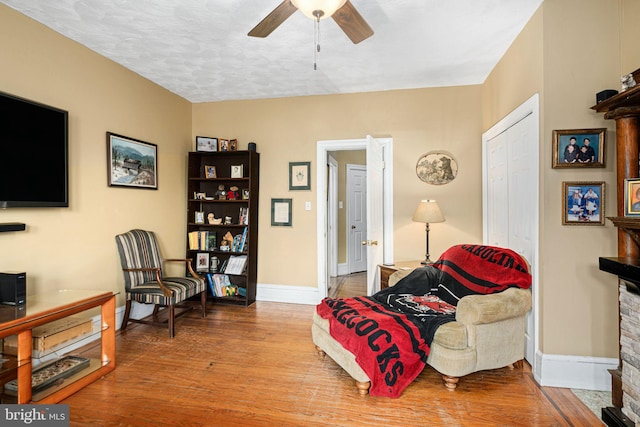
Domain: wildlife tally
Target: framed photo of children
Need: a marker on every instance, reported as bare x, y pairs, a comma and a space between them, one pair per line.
583, 203
632, 197
578, 148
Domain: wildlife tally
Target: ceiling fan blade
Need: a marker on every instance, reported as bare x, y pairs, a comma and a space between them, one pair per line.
352, 23
273, 20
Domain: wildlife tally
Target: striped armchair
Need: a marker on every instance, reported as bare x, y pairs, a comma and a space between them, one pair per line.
144, 282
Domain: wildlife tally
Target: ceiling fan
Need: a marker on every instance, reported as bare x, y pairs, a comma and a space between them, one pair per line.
342, 11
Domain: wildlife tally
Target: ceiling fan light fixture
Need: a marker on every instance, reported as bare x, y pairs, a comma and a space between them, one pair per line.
318, 9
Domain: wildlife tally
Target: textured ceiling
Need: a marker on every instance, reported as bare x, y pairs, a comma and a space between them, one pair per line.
199, 49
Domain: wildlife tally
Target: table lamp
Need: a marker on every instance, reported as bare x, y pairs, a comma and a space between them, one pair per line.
428, 211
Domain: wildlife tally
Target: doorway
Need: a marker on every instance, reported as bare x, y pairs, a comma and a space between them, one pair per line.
356, 224
384, 190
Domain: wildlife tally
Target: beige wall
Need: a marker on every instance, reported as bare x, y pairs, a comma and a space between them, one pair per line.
569, 51
287, 130
74, 247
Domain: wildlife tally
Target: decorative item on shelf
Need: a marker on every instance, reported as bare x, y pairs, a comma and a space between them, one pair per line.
299, 176
583, 203
205, 143
578, 148
628, 81
227, 220
228, 237
210, 172
224, 246
221, 194
224, 145
233, 193
632, 197
202, 261
136, 168
213, 264
245, 194
243, 216
603, 95
428, 212
437, 167
211, 219
199, 217
199, 196
233, 145
237, 171
252, 146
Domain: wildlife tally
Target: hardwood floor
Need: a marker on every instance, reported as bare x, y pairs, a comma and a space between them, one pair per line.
257, 366
349, 285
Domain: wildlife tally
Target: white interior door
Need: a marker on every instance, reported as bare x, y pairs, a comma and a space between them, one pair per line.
332, 214
375, 212
356, 217
511, 195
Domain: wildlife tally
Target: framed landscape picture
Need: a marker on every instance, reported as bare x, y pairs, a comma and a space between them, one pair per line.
131, 162
583, 203
578, 148
205, 143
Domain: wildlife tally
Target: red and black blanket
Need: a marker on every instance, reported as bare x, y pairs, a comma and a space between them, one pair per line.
391, 331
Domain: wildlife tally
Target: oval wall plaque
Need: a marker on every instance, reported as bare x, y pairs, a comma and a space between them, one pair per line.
437, 167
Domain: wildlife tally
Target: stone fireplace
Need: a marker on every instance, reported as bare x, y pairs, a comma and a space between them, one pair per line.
630, 349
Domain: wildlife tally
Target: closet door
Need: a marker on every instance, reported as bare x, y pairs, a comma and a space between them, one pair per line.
511, 196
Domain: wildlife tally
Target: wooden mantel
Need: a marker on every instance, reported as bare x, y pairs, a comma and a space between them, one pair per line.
624, 108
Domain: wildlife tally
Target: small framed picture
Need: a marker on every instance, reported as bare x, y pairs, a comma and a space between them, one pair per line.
233, 145
202, 261
224, 145
583, 203
210, 172
632, 197
299, 178
281, 212
245, 194
205, 143
237, 171
199, 217
581, 148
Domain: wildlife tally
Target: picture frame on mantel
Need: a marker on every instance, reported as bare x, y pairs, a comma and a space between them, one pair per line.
632, 197
578, 148
583, 203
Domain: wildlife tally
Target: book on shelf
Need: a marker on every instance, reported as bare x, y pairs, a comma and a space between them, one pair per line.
223, 286
209, 278
236, 264
202, 240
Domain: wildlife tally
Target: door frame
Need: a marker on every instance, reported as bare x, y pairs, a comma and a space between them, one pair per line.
322, 151
530, 107
332, 209
350, 207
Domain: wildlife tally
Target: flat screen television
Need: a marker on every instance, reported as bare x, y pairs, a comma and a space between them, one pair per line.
34, 143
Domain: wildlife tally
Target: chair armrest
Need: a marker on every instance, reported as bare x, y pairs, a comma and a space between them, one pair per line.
482, 309
188, 262
165, 291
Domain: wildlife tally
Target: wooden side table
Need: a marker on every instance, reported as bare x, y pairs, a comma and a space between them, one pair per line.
388, 270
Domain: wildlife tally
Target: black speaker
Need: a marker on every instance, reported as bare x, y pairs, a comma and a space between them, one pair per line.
605, 94
13, 288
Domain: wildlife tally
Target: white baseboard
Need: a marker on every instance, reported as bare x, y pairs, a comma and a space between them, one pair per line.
343, 269
587, 373
287, 294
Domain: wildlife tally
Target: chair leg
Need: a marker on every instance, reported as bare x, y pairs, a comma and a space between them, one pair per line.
172, 312
203, 299
127, 311
156, 308
450, 382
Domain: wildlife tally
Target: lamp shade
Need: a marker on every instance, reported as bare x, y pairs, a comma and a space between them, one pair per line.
328, 7
427, 212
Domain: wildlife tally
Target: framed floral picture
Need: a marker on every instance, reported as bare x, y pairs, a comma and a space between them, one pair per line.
632, 197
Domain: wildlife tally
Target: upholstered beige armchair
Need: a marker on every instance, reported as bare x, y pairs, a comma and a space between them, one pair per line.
488, 333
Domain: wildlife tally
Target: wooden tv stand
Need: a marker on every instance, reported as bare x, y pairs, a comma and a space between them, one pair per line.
47, 307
